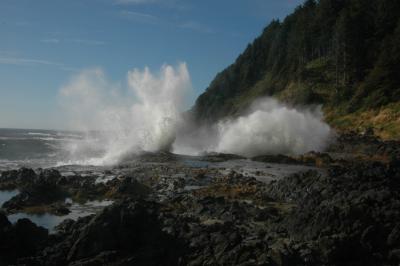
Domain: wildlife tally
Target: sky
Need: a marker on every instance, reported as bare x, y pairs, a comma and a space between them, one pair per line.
47, 42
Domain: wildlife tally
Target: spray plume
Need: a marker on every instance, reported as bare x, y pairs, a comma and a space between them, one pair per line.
147, 117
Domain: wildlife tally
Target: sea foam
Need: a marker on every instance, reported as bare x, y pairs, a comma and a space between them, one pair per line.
145, 115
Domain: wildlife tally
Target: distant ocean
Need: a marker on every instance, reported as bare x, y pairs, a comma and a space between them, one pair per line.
34, 148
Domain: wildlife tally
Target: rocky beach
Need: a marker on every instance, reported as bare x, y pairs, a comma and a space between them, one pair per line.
341, 207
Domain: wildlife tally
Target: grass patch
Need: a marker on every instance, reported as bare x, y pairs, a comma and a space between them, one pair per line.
385, 121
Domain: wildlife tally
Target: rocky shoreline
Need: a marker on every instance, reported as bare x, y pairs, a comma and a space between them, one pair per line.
342, 208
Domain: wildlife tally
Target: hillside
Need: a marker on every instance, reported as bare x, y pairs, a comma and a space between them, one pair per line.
343, 54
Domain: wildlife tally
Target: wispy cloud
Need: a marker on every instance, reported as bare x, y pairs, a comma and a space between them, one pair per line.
18, 61
23, 23
87, 42
196, 26
141, 17
52, 41
25, 61
171, 4
75, 41
134, 2
154, 20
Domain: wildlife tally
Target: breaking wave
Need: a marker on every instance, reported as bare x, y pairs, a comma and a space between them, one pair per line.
146, 115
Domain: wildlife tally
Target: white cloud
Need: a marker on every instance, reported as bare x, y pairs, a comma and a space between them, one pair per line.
195, 26
88, 42
171, 4
17, 61
127, 2
23, 23
25, 61
154, 20
52, 40
141, 17
76, 41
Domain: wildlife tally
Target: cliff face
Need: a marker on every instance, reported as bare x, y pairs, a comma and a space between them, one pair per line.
343, 54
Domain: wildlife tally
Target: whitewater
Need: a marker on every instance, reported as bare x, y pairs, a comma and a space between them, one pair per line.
110, 121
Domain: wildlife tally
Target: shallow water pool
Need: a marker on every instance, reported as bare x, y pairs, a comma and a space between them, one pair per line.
49, 221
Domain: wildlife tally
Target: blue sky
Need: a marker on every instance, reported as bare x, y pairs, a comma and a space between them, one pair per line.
46, 42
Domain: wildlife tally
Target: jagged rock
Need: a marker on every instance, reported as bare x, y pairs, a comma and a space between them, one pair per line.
394, 237
394, 255
29, 237
4, 222
346, 214
49, 175
23, 239
14, 179
127, 187
129, 228
283, 159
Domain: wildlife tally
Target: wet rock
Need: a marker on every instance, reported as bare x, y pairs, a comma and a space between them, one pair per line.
220, 157
65, 226
23, 239
7, 241
49, 175
394, 237
29, 237
14, 179
315, 159
128, 227
4, 223
37, 193
59, 209
394, 256
348, 216
346, 210
369, 131
368, 146
103, 258
127, 187
283, 159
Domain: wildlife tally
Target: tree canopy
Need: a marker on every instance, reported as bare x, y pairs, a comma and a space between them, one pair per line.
332, 52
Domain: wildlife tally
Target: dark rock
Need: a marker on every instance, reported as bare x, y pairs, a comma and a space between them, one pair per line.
345, 215
127, 187
65, 226
14, 179
37, 191
394, 237
369, 131
29, 237
23, 239
103, 258
4, 222
49, 175
25, 174
394, 256
128, 227
220, 157
59, 209
283, 159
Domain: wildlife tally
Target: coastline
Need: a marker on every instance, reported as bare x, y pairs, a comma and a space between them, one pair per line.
335, 208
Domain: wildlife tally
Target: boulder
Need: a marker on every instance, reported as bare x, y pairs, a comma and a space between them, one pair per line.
29, 237
131, 227
127, 187
394, 237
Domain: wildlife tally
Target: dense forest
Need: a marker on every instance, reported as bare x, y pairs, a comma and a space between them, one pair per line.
343, 54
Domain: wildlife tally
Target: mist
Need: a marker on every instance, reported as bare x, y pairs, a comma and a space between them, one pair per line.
118, 120
146, 115
272, 128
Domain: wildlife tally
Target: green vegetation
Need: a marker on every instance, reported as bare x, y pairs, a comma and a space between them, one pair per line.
343, 54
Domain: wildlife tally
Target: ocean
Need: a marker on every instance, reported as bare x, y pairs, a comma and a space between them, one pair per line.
35, 148
49, 148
